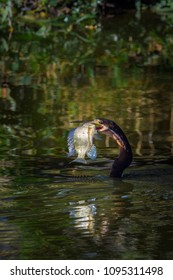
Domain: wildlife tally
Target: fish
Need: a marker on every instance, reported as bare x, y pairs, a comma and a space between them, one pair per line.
80, 142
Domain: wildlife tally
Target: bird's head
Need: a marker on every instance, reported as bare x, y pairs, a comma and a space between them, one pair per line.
103, 125
112, 130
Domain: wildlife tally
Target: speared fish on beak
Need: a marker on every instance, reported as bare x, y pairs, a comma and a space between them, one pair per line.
80, 142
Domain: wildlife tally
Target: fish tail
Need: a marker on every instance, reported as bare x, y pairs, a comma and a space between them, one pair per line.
79, 160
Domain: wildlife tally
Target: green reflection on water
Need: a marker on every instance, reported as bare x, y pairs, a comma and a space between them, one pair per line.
39, 121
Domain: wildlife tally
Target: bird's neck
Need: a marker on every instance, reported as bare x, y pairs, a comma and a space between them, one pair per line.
125, 156
123, 161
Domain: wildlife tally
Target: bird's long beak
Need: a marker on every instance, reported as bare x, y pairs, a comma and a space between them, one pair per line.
101, 127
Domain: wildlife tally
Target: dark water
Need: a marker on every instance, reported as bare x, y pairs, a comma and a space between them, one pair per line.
52, 210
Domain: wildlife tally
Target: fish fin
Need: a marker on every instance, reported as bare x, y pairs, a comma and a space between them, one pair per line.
92, 153
70, 143
79, 160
